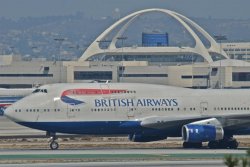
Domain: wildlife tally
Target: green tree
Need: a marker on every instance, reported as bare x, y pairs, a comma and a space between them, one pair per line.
231, 161
244, 162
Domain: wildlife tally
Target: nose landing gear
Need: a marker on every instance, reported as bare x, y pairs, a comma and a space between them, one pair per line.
52, 140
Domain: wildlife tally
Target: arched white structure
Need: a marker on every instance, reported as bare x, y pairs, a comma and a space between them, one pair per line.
199, 48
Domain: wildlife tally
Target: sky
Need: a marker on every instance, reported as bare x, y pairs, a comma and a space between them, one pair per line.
233, 9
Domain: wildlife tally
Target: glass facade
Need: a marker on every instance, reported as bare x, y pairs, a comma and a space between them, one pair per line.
241, 76
181, 58
154, 39
93, 75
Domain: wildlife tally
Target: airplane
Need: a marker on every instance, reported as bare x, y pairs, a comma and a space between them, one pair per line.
144, 112
10, 96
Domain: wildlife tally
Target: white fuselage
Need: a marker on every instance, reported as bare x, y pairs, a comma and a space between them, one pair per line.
124, 102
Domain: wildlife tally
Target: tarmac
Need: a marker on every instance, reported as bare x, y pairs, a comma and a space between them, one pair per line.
17, 149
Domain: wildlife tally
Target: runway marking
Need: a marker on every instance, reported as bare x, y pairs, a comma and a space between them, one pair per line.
116, 156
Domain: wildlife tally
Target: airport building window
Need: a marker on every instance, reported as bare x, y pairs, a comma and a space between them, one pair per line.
26, 75
143, 75
241, 76
93, 75
194, 76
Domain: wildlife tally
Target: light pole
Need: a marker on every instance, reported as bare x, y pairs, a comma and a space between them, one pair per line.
60, 41
12, 48
122, 38
220, 38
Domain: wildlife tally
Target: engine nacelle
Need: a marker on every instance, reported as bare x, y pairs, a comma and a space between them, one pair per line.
201, 133
145, 137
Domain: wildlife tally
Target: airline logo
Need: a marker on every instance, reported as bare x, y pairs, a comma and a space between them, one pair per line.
70, 96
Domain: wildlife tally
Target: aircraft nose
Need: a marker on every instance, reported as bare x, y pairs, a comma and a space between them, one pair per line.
8, 112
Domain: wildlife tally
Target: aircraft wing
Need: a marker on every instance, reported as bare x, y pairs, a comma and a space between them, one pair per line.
228, 122
157, 122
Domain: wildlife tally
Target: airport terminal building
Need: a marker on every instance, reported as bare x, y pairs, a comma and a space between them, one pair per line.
155, 61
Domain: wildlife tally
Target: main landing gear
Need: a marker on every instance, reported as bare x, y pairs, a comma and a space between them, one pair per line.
227, 142
52, 140
192, 145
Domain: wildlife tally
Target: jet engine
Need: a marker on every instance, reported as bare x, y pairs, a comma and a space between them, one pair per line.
146, 137
201, 133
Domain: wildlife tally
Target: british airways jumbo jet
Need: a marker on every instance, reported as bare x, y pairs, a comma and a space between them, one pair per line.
144, 112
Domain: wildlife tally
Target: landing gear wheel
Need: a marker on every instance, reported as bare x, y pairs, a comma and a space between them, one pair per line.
233, 144
52, 140
213, 144
192, 145
54, 145
227, 142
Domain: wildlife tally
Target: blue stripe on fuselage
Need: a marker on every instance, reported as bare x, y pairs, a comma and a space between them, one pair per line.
10, 99
95, 128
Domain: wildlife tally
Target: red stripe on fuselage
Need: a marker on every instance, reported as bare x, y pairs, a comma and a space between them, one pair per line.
91, 91
4, 105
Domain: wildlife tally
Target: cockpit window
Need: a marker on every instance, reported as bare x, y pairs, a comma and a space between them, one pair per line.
40, 90
36, 90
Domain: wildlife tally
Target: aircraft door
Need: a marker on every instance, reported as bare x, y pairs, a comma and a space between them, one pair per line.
71, 111
105, 90
131, 112
204, 108
131, 109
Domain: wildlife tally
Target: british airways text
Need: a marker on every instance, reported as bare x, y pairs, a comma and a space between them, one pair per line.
135, 102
